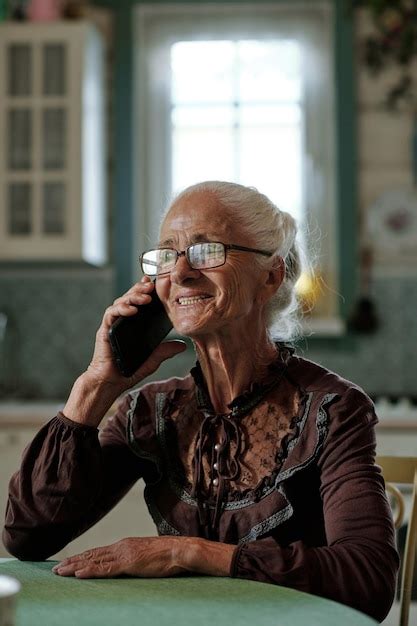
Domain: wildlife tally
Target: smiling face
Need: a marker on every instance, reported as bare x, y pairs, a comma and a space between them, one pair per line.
210, 300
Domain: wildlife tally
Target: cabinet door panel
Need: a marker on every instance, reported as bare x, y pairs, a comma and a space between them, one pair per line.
20, 208
54, 69
20, 139
19, 70
54, 127
54, 208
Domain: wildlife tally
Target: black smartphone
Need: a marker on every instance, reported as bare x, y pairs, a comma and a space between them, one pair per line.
134, 338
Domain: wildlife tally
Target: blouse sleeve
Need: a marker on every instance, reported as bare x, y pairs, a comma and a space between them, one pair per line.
358, 566
69, 478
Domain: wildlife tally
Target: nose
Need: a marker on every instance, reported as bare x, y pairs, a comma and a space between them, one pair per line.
183, 271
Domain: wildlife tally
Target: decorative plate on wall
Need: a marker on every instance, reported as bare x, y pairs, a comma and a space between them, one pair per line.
392, 226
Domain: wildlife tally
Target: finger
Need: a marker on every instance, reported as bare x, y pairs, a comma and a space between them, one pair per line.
126, 305
133, 297
142, 287
168, 349
124, 309
138, 288
95, 554
99, 566
73, 568
67, 561
164, 351
139, 299
94, 570
67, 570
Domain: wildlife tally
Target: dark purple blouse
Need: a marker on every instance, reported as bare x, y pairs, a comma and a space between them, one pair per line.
288, 476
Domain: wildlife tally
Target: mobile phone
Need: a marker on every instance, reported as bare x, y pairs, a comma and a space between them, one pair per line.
134, 338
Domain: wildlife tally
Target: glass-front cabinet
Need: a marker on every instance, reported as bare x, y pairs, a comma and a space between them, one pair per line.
52, 148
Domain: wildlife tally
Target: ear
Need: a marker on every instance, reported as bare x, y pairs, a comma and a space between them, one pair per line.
276, 275
272, 280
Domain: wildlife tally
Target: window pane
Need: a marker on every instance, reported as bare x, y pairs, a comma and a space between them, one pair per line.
270, 161
256, 139
54, 138
20, 70
277, 114
54, 70
271, 154
186, 117
20, 209
202, 71
19, 151
202, 154
269, 71
197, 131
53, 208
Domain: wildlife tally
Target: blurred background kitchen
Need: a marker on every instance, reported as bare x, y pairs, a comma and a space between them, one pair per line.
107, 108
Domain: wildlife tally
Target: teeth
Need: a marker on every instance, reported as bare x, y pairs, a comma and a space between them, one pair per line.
192, 300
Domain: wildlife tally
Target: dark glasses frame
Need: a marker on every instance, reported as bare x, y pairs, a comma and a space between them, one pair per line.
179, 253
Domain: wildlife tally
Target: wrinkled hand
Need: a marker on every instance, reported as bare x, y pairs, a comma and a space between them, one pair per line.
101, 384
144, 557
102, 367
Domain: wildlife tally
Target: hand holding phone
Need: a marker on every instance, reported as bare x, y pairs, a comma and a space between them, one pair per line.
139, 322
134, 338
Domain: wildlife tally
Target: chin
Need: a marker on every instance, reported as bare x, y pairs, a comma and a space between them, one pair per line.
190, 329
195, 323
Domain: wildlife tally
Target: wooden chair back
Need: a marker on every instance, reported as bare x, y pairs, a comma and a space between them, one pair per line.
399, 470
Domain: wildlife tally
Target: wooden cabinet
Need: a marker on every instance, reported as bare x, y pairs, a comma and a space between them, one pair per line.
52, 148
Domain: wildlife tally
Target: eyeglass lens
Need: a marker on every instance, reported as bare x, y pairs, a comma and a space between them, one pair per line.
206, 255
200, 256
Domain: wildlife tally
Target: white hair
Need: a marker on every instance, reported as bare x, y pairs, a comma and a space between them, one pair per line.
272, 230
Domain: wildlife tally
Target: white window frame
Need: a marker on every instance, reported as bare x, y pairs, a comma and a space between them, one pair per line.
310, 22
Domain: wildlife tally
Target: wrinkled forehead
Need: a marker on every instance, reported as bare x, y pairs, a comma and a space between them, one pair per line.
198, 217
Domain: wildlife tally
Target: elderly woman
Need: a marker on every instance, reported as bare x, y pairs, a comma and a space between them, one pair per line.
259, 464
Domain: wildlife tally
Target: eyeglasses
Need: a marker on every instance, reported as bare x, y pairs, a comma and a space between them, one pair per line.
200, 256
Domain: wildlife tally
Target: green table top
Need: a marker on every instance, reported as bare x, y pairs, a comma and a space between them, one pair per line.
47, 600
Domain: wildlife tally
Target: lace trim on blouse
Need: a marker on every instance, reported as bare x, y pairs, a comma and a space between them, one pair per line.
253, 440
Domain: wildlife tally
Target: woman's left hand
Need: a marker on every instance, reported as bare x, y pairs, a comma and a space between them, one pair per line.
145, 557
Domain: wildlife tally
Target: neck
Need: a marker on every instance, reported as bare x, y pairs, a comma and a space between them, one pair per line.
232, 362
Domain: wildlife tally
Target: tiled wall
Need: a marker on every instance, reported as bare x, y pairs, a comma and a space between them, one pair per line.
385, 362
52, 317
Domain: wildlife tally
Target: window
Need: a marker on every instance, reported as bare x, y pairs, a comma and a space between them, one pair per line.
225, 93
236, 113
